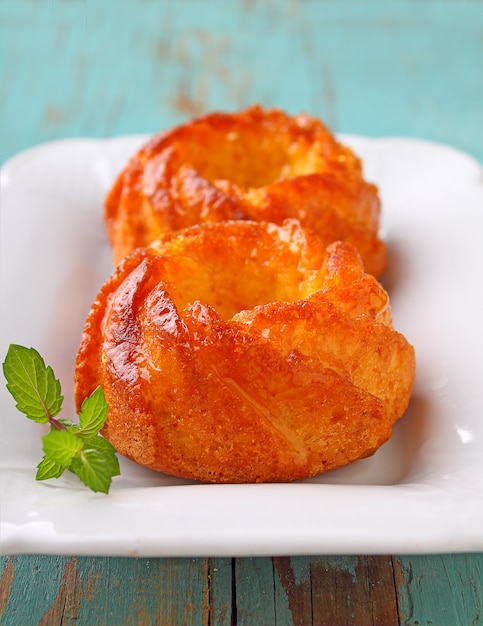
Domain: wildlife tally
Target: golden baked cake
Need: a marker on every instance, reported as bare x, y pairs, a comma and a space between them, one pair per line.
245, 352
257, 164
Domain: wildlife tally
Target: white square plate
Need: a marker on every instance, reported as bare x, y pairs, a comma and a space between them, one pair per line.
421, 492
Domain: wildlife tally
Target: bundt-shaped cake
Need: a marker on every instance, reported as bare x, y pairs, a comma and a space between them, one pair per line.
257, 164
245, 352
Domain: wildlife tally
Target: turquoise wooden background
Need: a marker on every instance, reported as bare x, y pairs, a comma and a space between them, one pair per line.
85, 68
100, 68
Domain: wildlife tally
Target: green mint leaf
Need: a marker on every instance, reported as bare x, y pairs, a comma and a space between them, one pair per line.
49, 469
61, 446
78, 448
109, 454
91, 468
32, 384
93, 414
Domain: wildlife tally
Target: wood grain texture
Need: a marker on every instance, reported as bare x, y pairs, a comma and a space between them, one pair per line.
254, 587
440, 590
97, 69
354, 590
221, 586
83, 590
374, 590
394, 68
293, 590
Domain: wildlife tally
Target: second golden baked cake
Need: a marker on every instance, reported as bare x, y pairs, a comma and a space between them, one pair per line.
257, 164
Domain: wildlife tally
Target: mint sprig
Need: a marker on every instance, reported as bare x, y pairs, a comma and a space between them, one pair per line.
67, 446
32, 384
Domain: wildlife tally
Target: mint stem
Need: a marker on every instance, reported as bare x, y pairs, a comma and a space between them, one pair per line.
56, 424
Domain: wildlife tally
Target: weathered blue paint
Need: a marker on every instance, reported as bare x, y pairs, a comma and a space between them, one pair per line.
107, 68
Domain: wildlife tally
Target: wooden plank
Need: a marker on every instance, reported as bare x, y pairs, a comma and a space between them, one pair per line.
108, 591
31, 584
283, 590
293, 593
353, 590
440, 589
221, 599
317, 590
254, 588
157, 591
6, 583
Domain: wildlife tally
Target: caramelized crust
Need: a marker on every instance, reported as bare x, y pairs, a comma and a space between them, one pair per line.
245, 352
257, 164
